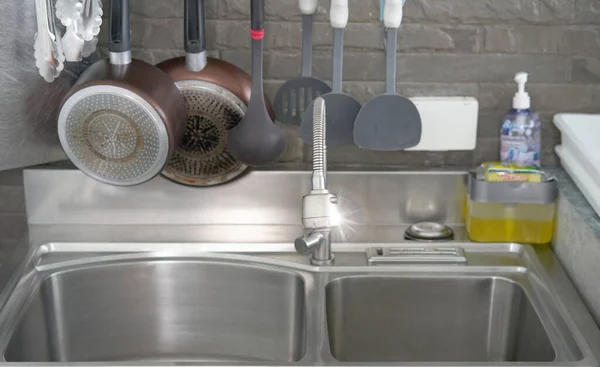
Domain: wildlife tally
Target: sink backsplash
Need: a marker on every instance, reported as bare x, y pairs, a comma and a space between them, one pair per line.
446, 48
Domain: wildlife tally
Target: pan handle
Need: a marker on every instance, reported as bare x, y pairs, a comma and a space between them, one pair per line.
119, 45
195, 35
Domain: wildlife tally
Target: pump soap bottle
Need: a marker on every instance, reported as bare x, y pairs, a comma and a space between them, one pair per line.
520, 140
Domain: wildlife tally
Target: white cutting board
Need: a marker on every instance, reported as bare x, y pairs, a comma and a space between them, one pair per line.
583, 180
449, 123
581, 136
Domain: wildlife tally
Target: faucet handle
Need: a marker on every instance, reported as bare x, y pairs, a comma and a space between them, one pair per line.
307, 244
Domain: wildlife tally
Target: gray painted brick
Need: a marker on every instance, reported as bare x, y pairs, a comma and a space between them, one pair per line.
429, 38
482, 68
167, 9
585, 70
522, 39
587, 12
286, 10
489, 123
491, 11
581, 41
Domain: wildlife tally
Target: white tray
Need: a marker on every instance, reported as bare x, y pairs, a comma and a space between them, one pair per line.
581, 136
583, 180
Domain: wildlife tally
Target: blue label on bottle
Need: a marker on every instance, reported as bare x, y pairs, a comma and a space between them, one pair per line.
520, 142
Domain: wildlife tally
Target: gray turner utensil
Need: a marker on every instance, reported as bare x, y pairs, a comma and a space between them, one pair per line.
389, 122
341, 108
295, 95
256, 140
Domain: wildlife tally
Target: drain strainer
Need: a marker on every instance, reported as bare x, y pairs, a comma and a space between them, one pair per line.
429, 231
202, 158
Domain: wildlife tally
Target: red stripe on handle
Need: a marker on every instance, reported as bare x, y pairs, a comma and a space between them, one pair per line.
257, 35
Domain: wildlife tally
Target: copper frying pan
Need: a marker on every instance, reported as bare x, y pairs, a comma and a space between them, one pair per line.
217, 94
123, 119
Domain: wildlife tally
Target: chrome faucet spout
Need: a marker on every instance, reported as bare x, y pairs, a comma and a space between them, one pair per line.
319, 207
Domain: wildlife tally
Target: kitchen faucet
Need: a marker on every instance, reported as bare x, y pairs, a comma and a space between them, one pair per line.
319, 208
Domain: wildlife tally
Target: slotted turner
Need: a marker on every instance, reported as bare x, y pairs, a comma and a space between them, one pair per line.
389, 122
341, 108
295, 95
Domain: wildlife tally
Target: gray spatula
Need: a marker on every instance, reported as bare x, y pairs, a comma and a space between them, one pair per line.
295, 95
341, 108
389, 122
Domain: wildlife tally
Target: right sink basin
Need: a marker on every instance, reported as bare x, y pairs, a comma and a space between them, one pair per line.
434, 319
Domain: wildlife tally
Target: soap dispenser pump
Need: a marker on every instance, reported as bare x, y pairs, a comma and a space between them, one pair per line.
521, 100
520, 140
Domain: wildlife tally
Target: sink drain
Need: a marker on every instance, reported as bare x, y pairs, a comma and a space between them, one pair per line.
429, 232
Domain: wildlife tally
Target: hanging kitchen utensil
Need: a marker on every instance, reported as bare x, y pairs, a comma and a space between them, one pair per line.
49, 56
256, 140
217, 98
389, 122
88, 24
341, 108
295, 95
123, 118
69, 13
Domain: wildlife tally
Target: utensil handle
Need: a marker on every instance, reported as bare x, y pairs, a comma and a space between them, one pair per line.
392, 18
194, 34
391, 49
338, 60
307, 44
258, 18
338, 13
120, 40
257, 33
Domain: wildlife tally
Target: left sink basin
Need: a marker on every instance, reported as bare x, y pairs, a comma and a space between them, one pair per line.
169, 310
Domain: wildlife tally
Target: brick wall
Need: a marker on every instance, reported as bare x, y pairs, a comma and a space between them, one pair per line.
13, 222
446, 48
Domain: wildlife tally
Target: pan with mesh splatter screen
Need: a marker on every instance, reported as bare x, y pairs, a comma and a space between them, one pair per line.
113, 135
202, 158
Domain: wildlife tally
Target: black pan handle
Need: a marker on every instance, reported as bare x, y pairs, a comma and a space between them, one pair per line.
118, 24
194, 32
258, 18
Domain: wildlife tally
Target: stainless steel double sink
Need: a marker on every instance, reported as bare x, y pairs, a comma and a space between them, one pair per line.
211, 303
